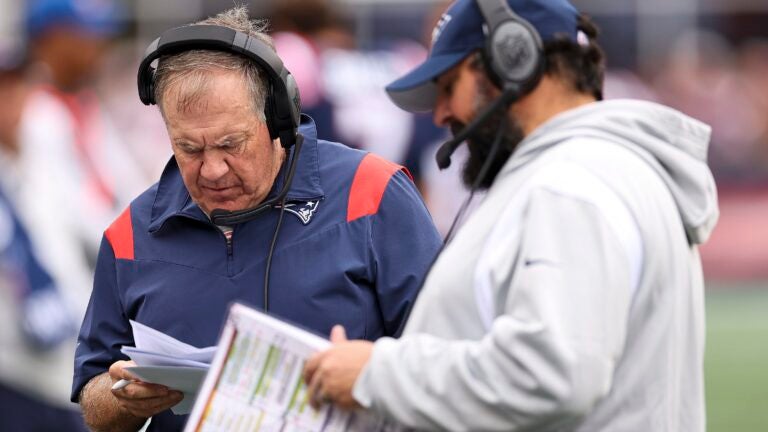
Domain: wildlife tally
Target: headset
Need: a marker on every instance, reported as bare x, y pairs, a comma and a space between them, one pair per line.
514, 52
514, 60
283, 104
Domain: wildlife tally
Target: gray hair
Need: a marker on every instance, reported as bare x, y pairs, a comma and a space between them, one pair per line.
189, 72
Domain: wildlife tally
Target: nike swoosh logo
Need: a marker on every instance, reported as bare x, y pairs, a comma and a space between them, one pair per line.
532, 262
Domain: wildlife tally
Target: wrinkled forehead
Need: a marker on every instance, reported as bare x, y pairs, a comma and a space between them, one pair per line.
201, 92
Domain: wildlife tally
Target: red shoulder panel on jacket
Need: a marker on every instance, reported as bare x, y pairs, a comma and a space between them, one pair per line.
369, 184
120, 235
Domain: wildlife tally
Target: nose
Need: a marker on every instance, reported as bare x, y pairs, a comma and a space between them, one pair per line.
214, 166
442, 113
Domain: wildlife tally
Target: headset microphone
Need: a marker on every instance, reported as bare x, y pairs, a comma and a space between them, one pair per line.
443, 156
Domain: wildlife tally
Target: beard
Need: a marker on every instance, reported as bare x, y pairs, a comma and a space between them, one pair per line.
480, 142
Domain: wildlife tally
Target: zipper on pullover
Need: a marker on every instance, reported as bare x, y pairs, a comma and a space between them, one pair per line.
228, 233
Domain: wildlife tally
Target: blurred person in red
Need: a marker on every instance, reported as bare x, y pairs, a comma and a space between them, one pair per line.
57, 164
69, 152
37, 313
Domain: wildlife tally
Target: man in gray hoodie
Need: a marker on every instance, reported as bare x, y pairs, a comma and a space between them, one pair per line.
572, 299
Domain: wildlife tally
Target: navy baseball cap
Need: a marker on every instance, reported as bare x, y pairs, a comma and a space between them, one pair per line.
459, 32
97, 17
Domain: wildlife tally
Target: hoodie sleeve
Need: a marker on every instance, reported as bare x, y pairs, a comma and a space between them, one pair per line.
550, 352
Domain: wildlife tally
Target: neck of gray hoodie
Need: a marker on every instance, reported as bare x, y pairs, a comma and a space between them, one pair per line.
673, 144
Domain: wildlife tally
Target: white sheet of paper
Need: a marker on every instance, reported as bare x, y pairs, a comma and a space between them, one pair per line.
148, 358
184, 379
149, 339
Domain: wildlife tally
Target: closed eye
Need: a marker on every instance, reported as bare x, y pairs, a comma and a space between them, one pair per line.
187, 147
446, 82
445, 88
232, 145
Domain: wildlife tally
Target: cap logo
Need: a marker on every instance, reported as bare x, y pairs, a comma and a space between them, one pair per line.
439, 27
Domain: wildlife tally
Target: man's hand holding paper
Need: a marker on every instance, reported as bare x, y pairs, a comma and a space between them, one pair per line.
139, 398
161, 366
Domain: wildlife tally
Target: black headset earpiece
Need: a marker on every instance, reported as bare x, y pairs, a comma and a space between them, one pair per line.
283, 104
514, 52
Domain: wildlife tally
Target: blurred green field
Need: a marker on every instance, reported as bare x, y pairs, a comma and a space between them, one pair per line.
736, 363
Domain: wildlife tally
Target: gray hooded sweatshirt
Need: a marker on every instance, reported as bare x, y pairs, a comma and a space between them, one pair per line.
572, 299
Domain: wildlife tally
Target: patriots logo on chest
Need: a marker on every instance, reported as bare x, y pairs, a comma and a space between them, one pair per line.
303, 210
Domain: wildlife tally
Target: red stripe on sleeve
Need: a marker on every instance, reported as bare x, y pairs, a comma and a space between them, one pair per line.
120, 235
368, 187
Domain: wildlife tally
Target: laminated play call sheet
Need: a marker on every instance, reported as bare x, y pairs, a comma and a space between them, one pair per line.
255, 382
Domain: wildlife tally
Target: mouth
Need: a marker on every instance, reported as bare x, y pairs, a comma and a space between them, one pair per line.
217, 189
219, 193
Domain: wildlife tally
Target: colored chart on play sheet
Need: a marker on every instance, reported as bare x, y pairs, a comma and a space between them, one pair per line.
255, 382
261, 388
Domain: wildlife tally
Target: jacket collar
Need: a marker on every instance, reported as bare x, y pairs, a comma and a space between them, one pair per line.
173, 200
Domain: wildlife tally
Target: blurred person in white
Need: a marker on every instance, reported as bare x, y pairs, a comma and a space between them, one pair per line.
341, 85
302, 31
37, 312
70, 155
572, 299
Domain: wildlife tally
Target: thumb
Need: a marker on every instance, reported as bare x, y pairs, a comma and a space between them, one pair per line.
338, 334
118, 369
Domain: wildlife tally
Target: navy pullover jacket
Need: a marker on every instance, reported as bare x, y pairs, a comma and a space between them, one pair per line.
354, 247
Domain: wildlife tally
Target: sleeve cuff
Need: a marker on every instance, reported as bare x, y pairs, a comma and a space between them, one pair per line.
362, 391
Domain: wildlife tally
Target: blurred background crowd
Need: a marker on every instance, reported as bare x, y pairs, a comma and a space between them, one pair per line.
76, 145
